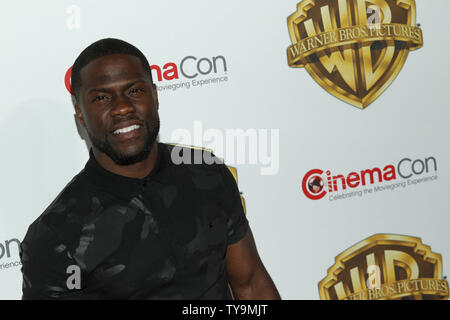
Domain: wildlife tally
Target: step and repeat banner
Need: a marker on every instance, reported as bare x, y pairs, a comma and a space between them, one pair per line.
334, 113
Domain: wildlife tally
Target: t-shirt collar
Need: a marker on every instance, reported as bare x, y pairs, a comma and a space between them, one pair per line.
122, 186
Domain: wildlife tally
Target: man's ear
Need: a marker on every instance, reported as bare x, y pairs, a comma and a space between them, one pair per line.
79, 114
155, 94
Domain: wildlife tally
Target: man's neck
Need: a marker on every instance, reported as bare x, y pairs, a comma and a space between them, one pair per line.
137, 170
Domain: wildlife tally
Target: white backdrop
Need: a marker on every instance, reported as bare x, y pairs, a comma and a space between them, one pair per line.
297, 238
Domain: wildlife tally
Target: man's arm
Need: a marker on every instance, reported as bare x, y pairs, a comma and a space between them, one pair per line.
45, 268
248, 277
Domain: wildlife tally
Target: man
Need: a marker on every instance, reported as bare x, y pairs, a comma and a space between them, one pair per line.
133, 224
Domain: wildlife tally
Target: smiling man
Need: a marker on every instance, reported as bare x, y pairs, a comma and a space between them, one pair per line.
133, 224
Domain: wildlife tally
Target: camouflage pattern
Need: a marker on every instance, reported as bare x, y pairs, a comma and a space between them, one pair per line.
161, 237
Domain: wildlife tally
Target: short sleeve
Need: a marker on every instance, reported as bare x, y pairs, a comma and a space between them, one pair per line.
48, 270
237, 221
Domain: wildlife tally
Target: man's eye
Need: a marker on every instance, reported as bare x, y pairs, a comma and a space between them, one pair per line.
99, 98
136, 90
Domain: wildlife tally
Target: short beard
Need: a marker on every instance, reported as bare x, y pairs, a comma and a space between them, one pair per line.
121, 159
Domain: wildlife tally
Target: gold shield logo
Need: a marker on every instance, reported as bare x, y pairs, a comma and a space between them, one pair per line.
385, 267
353, 48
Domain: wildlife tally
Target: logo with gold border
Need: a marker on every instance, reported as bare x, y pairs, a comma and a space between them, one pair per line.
353, 48
386, 267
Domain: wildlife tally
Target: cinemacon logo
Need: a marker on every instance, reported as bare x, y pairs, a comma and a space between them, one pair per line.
316, 183
189, 67
6, 248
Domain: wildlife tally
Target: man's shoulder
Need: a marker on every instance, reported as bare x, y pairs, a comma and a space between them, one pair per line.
69, 204
192, 157
201, 164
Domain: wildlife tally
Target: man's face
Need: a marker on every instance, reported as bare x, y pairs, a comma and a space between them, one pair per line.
118, 106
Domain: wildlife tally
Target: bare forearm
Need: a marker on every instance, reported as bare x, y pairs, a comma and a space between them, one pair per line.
259, 287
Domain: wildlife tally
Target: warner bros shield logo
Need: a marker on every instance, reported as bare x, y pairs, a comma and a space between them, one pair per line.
386, 267
353, 48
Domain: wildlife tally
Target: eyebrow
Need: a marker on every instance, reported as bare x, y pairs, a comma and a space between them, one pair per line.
106, 89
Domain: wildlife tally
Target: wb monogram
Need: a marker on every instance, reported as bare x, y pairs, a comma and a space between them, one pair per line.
353, 48
384, 267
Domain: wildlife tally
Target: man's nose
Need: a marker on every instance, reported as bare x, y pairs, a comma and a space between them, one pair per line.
122, 106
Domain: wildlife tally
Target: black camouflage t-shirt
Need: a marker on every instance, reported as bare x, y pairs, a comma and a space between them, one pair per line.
161, 237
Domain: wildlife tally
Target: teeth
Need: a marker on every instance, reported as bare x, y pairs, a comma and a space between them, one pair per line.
127, 129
